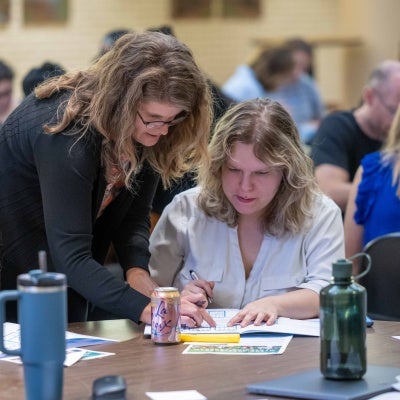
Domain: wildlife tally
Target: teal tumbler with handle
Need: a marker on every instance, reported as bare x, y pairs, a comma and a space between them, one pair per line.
42, 315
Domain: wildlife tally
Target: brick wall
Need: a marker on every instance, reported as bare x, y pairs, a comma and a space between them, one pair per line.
219, 44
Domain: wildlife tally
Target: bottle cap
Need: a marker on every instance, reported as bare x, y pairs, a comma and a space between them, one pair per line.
37, 277
342, 268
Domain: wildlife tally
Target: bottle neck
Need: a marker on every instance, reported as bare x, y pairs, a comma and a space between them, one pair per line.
343, 280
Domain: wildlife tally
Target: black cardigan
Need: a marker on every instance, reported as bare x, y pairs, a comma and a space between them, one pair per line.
51, 188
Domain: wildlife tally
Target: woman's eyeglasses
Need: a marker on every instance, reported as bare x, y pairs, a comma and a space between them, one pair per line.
154, 125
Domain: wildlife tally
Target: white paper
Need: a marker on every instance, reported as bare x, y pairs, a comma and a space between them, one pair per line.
387, 396
73, 342
176, 395
72, 356
307, 327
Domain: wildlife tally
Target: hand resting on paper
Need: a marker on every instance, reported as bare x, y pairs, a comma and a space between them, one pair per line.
298, 304
256, 312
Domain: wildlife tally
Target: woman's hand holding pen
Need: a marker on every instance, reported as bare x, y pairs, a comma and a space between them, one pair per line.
202, 289
199, 294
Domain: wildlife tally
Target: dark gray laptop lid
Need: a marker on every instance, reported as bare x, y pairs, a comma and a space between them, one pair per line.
312, 385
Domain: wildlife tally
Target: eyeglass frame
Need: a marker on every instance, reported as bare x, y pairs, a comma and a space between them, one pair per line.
154, 125
391, 110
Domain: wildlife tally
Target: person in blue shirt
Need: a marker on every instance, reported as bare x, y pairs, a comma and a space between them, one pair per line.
373, 208
302, 99
272, 68
281, 74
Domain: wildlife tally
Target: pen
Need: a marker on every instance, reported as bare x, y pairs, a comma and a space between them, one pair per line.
211, 337
196, 277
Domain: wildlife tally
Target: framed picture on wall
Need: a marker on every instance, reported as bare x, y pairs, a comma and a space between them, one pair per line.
4, 11
215, 8
45, 11
241, 8
191, 8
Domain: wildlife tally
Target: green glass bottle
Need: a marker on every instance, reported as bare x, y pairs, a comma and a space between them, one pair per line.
343, 328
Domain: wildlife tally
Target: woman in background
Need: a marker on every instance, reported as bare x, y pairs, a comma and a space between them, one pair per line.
373, 208
301, 96
270, 69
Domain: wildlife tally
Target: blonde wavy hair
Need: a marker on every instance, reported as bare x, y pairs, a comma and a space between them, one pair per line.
268, 127
391, 150
140, 67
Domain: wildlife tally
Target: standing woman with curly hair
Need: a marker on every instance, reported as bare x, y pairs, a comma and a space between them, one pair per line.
256, 229
79, 163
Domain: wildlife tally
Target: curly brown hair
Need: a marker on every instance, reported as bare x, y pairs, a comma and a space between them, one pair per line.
140, 67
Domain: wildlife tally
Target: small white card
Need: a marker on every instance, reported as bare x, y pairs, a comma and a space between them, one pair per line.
176, 395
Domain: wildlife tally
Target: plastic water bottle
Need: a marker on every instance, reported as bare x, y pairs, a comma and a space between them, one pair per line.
343, 327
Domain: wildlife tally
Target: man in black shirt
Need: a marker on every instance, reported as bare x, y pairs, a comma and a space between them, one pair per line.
345, 137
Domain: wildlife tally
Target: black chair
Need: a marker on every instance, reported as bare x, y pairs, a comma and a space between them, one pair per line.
383, 280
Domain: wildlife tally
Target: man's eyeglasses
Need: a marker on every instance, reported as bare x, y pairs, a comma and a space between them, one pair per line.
154, 125
390, 109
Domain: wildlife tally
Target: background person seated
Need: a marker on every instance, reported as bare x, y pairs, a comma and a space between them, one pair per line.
39, 74
301, 96
281, 74
345, 137
373, 208
109, 39
272, 68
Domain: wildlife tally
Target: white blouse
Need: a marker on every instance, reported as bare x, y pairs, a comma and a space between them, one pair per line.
186, 239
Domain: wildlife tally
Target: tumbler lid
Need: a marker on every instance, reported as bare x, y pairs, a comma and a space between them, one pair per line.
342, 268
37, 277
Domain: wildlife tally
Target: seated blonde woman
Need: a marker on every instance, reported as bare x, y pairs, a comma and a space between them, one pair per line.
256, 230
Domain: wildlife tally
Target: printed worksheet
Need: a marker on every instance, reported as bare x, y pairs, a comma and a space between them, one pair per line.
290, 326
307, 327
256, 344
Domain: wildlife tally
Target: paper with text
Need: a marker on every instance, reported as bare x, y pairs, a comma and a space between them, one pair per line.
256, 344
306, 327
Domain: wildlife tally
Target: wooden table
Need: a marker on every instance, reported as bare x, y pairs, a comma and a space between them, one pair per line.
150, 367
